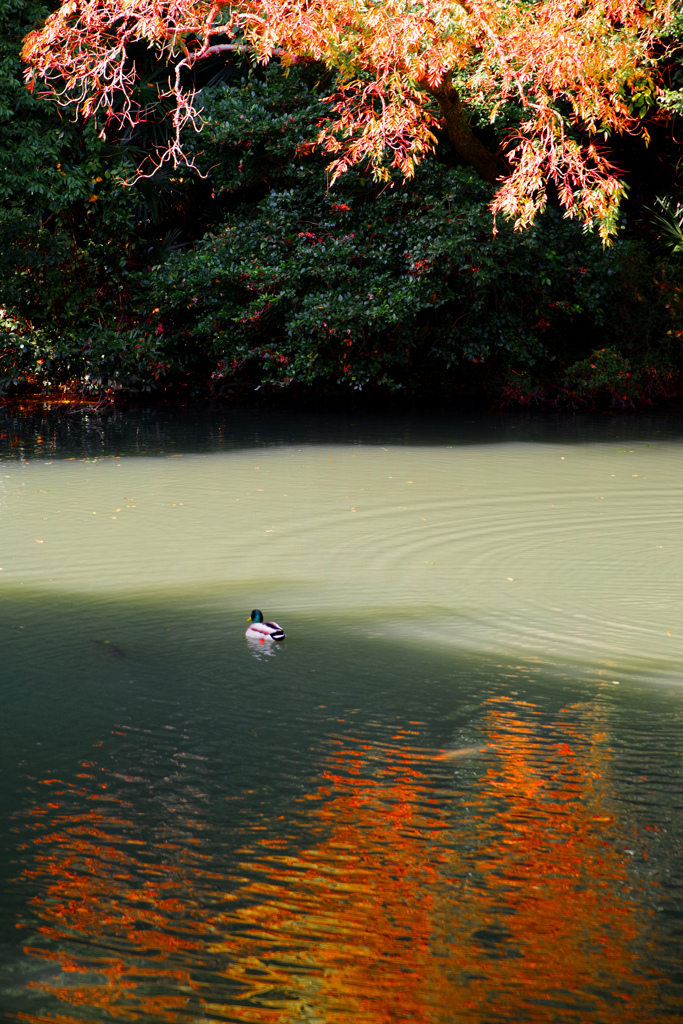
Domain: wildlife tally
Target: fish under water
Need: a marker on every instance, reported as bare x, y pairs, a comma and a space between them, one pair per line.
110, 649
452, 755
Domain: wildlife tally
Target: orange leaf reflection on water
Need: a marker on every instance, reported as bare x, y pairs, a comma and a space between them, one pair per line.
121, 914
405, 895
554, 890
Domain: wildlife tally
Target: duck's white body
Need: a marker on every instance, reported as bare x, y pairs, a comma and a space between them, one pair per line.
265, 631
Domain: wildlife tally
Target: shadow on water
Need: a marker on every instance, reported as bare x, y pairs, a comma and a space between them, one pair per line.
204, 429
349, 829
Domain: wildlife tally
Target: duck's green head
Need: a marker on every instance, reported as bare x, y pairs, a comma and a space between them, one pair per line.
256, 616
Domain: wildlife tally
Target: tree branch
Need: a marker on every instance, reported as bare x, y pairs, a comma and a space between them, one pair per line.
468, 147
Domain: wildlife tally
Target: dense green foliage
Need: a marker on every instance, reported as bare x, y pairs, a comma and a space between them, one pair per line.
258, 274
71, 237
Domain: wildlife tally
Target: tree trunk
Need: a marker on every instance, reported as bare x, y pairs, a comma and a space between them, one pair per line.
467, 146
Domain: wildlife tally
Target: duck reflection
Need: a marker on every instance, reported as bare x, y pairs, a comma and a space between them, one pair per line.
261, 649
396, 891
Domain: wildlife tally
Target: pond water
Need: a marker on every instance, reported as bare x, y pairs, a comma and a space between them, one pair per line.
453, 794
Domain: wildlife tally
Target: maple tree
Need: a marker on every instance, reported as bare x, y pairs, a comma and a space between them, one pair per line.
403, 69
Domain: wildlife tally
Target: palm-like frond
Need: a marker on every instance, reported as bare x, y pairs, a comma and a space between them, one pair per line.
669, 224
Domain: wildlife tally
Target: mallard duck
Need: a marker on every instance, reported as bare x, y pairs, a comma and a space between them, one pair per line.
260, 630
